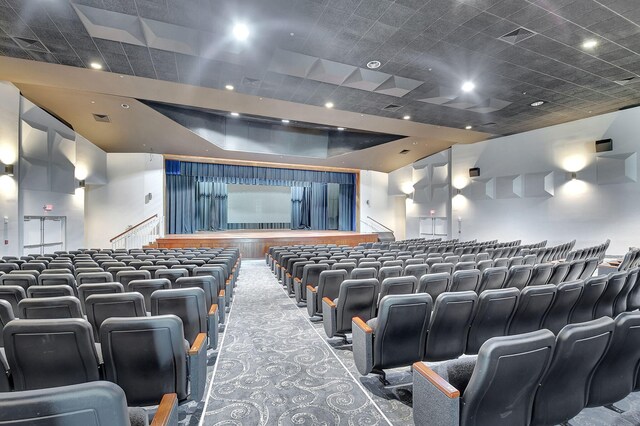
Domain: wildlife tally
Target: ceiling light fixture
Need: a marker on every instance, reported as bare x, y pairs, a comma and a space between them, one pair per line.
241, 31
125, 106
341, 128
328, 105
229, 87
235, 114
406, 117
96, 65
285, 121
537, 103
589, 44
468, 127
468, 86
373, 64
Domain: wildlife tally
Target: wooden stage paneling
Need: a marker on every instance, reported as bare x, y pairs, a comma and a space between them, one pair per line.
253, 244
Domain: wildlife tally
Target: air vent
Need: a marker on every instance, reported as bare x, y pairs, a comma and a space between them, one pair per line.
30, 44
404, 152
392, 107
102, 118
516, 36
488, 124
625, 81
253, 82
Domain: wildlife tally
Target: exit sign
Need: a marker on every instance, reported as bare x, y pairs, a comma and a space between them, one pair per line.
48, 207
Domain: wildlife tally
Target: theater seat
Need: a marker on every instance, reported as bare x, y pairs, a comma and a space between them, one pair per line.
310, 277
576, 267
363, 273
605, 305
50, 308
86, 404
416, 270
396, 337
465, 280
147, 287
493, 278
94, 278
6, 315
590, 266
565, 388
189, 305
434, 284
328, 286
567, 296
389, 272
12, 294
541, 274
23, 280
86, 290
559, 273
100, 307
397, 285
621, 303
123, 277
44, 291
519, 276
533, 305
210, 287
357, 298
584, 309
493, 317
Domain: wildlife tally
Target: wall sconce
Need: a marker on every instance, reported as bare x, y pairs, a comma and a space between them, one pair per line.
82, 183
458, 191
572, 176
8, 170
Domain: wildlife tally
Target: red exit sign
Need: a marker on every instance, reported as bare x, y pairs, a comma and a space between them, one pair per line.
48, 207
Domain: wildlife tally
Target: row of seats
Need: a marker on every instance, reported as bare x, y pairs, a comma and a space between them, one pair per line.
630, 260
534, 378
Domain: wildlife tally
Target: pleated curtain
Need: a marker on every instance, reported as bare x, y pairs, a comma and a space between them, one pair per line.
181, 204
318, 206
346, 208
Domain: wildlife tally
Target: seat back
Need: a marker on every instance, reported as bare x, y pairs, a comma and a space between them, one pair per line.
493, 317
93, 278
584, 309
575, 270
565, 388
188, 304
329, 283
449, 326
434, 284
465, 280
6, 315
567, 295
621, 303
50, 308
484, 264
363, 273
145, 375
357, 298
605, 305
206, 282
40, 291
44, 353
57, 279
389, 272
493, 278
86, 290
345, 266
147, 287
100, 307
560, 271
541, 274
464, 266
171, 274
504, 381
416, 270
12, 294
519, 276
23, 280
441, 267
311, 274
123, 277
533, 305
401, 329
398, 285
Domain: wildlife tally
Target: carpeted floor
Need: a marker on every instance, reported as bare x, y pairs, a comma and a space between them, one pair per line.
276, 367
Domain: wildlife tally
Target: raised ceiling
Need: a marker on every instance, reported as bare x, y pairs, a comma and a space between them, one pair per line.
311, 52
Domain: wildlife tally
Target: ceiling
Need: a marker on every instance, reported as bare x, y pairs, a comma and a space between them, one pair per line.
303, 53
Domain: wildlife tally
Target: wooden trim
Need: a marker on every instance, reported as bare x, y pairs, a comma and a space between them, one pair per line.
134, 227
210, 160
329, 302
214, 309
221, 294
197, 344
362, 325
441, 384
298, 280
312, 288
163, 414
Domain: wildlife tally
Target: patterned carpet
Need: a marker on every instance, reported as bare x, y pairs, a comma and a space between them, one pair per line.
275, 367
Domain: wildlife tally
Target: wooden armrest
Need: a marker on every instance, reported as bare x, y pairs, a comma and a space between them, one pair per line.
221, 294
362, 325
440, 383
288, 275
312, 288
298, 280
163, 414
197, 344
329, 302
228, 281
214, 309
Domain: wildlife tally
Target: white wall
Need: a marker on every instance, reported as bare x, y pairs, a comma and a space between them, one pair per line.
120, 203
524, 192
9, 134
375, 201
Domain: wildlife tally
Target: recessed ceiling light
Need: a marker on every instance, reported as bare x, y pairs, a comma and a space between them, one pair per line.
524, 93
241, 31
406, 117
468, 86
590, 44
373, 64
93, 102
341, 128
235, 114
329, 105
96, 65
285, 121
125, 106
292, 34
468, 127
229, 87
537, 103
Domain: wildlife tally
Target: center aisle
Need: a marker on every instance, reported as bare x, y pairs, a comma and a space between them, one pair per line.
274, 368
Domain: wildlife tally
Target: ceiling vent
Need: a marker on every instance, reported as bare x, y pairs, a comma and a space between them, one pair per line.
404, 152
392, 107
518, 35
252, 82
102, 118
625, 81
491, 124
30, 44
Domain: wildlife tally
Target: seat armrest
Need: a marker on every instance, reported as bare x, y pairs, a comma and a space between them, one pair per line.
329, 317
212, 326
435, 401
312, 301
312, 289
328, 302
362, 345
167, 413
198, 367
222, 301
298, 290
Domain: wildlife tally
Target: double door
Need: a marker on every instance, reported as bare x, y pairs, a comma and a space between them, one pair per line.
44, 234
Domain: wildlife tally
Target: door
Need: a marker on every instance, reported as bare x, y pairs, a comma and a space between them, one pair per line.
44, 234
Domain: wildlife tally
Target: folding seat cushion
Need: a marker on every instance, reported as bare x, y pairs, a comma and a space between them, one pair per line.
328, 286
45, 353
434, 284
567, 296
496, 309
466, 280
356, 298
493, 278
575, 270
146, 375
147, 287
123, 277
23, 280
541, 274
564, 390
615, 284
621, 303
100, 307
449, 326
86, 404
50, 308
188, 304
396, 337
310, 277
441, 267
590, 266
533, 305
93, 277
45, 291
497, 388
397, 285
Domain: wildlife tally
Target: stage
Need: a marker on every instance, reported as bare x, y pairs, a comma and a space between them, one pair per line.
253, 244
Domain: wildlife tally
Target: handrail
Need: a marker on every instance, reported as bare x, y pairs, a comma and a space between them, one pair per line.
385, 227
133, 227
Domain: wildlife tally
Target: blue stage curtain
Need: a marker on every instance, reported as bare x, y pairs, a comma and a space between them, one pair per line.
211, 206
181, 204
318, 206
297, 196
219, 214
333, 201
346, 209
305, 211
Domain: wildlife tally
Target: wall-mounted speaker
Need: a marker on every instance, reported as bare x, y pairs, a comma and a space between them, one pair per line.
604, 145
474, 172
